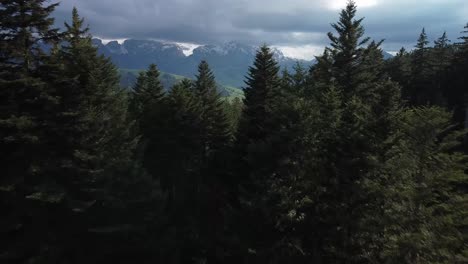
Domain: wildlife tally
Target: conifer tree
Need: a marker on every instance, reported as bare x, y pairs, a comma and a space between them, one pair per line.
233, 110
286, 80
441, 57
442, 53
366, 102
94, 137
100, 102
215, 124
262, 144
320, 74
177, 162
421, 49
24, 26
147, 108
346, 48
299, 79
422, 199
261, 95
25, 101
147, 93
399, 70
457, 80
420, 71
212, 181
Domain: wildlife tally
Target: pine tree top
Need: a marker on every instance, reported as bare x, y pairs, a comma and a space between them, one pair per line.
350, 32
265, 69
442, 41
205, 79
21, 41
422, 40
76, 29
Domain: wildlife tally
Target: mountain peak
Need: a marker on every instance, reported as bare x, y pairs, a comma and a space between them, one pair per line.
227, 48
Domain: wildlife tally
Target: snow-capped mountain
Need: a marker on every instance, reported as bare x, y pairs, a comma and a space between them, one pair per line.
234, 49
229, 61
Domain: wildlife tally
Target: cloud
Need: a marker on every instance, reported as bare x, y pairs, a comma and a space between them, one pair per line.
304, 52
296, 24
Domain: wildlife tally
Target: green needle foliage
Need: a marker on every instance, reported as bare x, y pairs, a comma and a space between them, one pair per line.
355, 160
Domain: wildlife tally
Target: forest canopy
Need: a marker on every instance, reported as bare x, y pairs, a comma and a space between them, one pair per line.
357, 159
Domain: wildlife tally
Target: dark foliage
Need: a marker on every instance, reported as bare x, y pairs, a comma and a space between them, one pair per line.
356, 160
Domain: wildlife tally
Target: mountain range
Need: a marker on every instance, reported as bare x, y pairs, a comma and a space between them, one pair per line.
229, 61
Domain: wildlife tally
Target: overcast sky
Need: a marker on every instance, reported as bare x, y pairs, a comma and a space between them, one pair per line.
297, 26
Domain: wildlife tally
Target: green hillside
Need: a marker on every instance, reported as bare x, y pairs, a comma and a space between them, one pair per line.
129, 76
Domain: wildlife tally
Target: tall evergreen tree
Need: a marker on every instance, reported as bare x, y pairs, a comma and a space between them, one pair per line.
92, 145
265, 146
215, 137
177, 164
147, 108
261, 94
299, 79
420, 71
442, 53
24, 26
422, 196
346, 48
441, 57
147, 93
216, 128
233, 110
365, 102
25, 101
457, 80
399, 70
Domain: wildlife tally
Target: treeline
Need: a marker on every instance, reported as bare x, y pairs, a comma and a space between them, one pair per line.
355, 160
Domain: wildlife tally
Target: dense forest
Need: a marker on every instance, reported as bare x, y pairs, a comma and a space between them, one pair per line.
355, 160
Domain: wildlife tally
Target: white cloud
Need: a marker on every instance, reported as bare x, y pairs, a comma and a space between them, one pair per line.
105, 41
339, 4
187, 48
305, 52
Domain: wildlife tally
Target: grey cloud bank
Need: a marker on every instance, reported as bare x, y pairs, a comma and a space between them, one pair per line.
293, 23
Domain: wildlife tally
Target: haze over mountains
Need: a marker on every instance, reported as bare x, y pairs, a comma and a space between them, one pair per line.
229, 61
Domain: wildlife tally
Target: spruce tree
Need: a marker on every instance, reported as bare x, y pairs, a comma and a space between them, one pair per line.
442, 52
24, 26
233, 109
286, 80
261, 94
346, 48
441, 58
457, 80
399, 70
26, 99
366, 103
299, 79
147, 109
94, 141
421, 183
215, 124
262, 144
147, 92
420, 72
215, 138
177, 163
